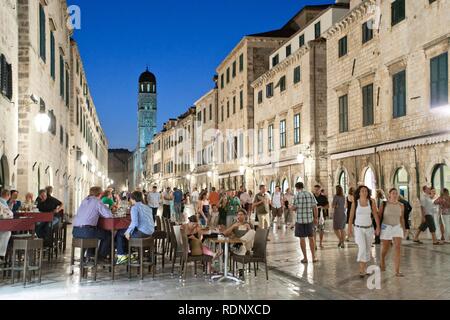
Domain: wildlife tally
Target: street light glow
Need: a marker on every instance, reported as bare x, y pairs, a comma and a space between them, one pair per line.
42, 122
242, 169
209, 174
84, 159
301, 158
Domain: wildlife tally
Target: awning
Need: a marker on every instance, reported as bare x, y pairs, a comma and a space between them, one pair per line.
355, 153
415, 142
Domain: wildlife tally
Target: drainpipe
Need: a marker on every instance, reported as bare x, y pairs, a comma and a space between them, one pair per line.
417, 173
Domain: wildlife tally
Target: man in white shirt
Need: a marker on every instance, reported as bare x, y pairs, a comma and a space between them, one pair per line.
5, 213
167, 198
245, 200
426, 205
277, 206
154, 201
194, 197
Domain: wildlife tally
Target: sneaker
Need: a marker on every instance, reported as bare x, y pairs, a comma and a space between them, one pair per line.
122, 259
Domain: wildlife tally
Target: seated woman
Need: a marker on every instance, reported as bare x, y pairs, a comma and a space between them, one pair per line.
242, 230
142, 226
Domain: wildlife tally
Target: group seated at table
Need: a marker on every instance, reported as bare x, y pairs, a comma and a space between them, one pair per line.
48, 204
86, 220
142, 226
5, 213
242, 230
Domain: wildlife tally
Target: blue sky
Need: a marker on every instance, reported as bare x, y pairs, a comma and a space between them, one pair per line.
182, 42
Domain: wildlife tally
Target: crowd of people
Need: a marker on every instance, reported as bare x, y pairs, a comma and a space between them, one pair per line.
367, 215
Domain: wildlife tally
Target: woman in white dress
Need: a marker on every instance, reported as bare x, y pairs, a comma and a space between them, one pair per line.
189, 209
436, 215
361, 212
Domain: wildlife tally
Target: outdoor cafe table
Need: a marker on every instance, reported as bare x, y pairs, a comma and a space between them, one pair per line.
114, 224
226, 242
17, 225
37, 216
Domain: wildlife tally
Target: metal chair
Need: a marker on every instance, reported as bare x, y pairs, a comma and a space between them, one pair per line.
142, 244
259, 252
30, 247
84, 244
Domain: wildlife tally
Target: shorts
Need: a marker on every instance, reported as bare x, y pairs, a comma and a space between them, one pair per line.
303, 230
277, 212
429, 223
390, 232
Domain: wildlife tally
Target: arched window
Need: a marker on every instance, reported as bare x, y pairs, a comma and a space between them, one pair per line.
370, 180
441, 177
148, 87
401, 182
142, 88
272, 187
343, 181
285, 186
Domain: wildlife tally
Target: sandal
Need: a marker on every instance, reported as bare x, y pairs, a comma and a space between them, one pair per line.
304, 261
315, 260
418, 241
437, 243
400, 275
362, 275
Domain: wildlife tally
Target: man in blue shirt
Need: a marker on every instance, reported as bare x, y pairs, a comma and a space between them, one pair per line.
142, 226
177, 202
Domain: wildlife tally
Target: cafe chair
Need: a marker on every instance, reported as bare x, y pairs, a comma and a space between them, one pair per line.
176, 245
83, 245
30, 263
167, 224
259, 253
142, 244
188, 257
160, 237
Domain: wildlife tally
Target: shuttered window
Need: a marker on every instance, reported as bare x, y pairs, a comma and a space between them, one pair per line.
297, 129
42, 31
399, 94
398, 11
61, 76
6, 78
67, 88
439, 80
367, 93
367, 32
343, 114
282, 134
297, 75
342, 46
52, 55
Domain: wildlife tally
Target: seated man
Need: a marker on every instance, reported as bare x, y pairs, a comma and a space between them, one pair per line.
242, 230
48, 204
5, 213
13, 203
86, 220
142, 226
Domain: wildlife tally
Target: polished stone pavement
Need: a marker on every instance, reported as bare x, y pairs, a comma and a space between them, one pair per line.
426, 267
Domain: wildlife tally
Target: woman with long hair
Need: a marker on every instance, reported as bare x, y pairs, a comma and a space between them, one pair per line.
392, 229
203, 208
361, 213
350, 200
339, 204
444, 206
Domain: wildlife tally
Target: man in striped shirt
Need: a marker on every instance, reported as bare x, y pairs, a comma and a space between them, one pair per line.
305, 205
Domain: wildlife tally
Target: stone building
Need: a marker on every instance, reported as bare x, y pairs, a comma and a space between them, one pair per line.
290, 106
88, 156
206, 162
118, 168
388, 108
246, 62
9, 93
44, 75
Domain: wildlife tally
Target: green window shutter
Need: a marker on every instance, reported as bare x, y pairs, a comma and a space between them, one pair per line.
52, 55
368, 118
439, 80
61, 76
399, 94
67, 88
42, 31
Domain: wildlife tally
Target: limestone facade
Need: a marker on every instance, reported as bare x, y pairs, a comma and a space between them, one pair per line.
405, 65
8, 94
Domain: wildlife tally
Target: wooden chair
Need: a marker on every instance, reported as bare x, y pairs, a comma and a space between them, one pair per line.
84, 244
177, 245
30, 247
187, 257
142, 244
259, 252
160, 237
167, 228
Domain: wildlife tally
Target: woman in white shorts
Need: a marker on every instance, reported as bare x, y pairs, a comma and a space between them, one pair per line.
392, 229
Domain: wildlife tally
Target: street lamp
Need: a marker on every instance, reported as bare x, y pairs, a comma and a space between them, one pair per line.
42, 120
99, 174
301, 158
84, 159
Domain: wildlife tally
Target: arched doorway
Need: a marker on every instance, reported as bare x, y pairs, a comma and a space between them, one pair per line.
401, 182
285, 185
370, 180
343, 181
272, 187
4, 173
441, 177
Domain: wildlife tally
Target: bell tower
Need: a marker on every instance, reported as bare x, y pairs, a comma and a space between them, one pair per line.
147, 109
